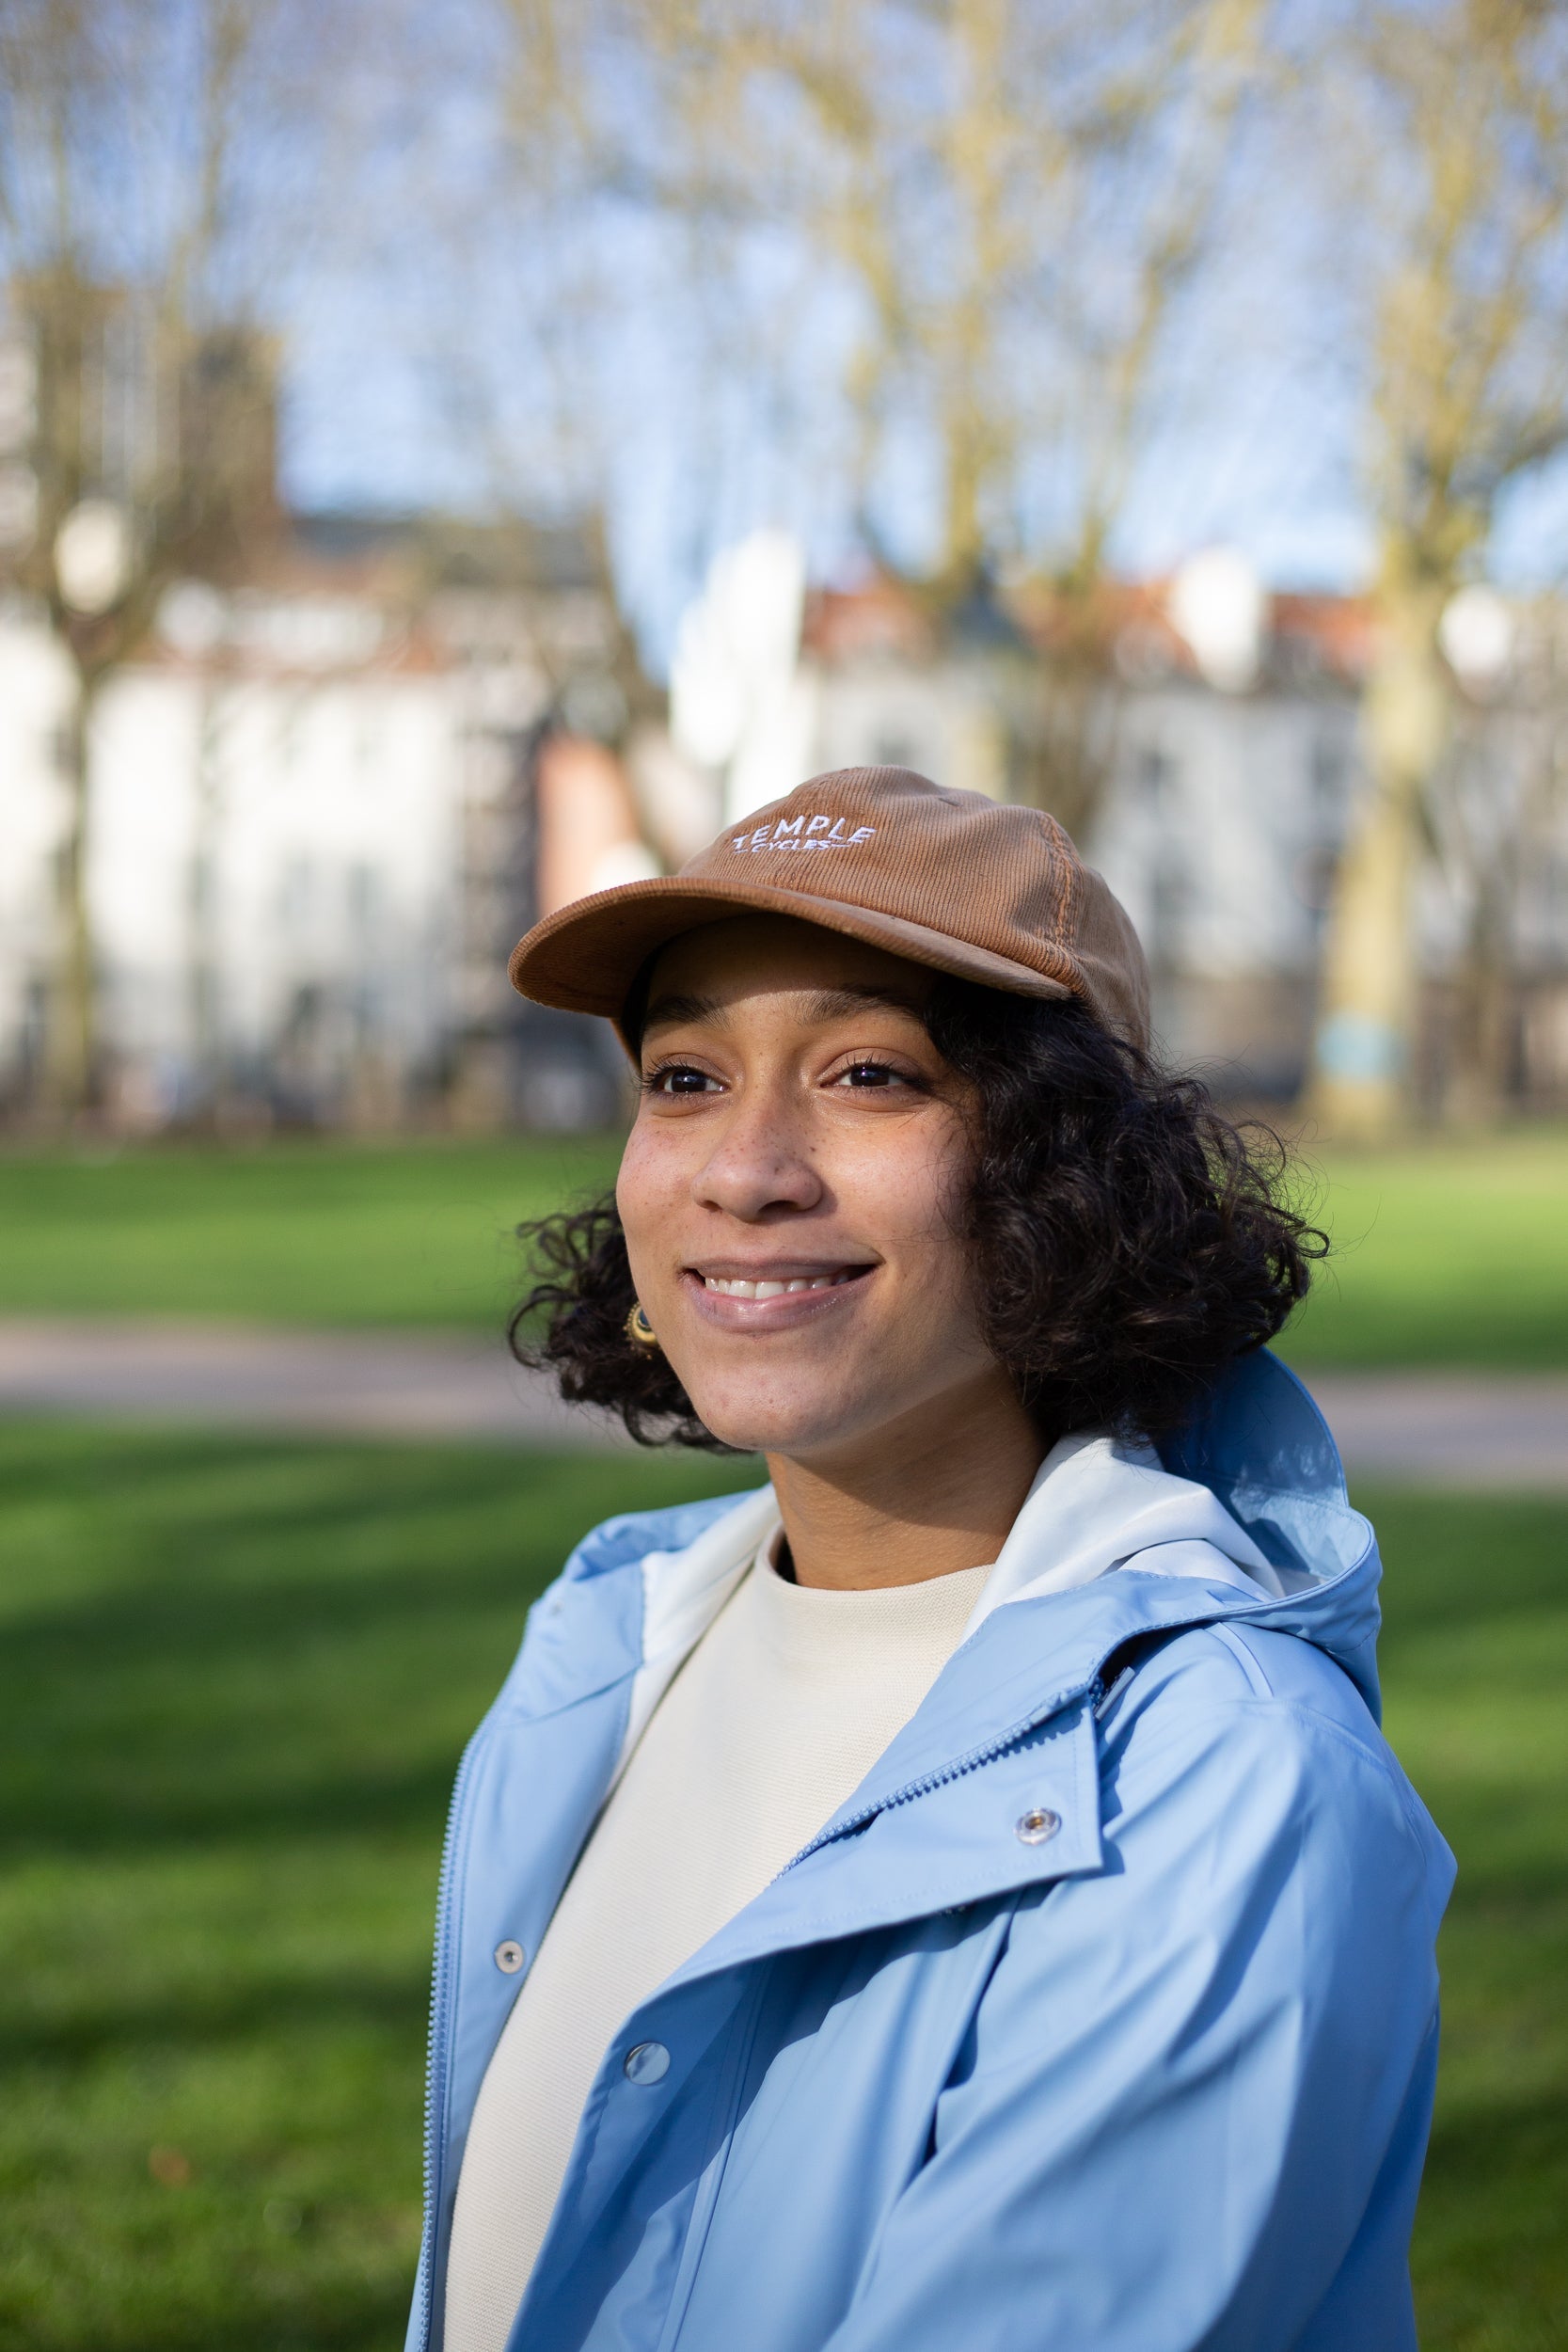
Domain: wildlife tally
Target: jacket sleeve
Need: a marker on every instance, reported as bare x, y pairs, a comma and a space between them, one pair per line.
1196, 2093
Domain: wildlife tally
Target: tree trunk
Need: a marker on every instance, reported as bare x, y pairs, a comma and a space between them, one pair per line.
70, 1072
1361, 1084
203, 1008
1482, 1061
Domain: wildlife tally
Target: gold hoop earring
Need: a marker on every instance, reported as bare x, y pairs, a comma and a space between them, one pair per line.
638, 1329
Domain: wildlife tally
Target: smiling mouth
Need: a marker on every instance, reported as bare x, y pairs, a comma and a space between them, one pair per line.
738, 1287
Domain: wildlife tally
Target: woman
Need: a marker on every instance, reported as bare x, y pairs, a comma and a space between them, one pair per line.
957, 1896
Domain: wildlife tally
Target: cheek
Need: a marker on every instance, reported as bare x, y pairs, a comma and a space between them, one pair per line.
906, 1195
650, 1189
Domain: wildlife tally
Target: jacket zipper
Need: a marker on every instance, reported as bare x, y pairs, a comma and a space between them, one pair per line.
1093, 1692
996, 1746
441, 1973
436, 2067
436, 2062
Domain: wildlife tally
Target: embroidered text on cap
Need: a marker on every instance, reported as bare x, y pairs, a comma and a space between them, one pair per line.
803, 833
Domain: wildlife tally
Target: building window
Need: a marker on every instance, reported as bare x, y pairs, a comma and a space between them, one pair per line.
296, 895
364, 898
1327, 775
1155, 775
893, 751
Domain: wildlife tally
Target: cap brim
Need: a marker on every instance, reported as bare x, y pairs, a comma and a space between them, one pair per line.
585, 957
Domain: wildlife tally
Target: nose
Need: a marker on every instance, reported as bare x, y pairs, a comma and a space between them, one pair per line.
760, 1165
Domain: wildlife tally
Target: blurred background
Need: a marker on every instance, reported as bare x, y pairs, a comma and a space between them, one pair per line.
455, 460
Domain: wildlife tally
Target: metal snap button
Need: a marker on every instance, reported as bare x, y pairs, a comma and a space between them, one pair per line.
1034, 1827
646, 2062
510, 1957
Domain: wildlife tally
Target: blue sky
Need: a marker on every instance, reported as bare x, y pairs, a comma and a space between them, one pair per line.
1259, 456
457, 358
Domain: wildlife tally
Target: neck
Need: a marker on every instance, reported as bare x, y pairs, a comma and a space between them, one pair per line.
935, 1491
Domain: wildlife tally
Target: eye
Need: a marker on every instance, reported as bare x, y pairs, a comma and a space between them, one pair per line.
863, 1074
680, 1078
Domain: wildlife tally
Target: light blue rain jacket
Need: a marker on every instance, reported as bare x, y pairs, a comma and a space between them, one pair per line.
1156, 2079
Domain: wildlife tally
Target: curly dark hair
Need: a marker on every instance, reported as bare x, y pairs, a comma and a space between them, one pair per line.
1128, 1239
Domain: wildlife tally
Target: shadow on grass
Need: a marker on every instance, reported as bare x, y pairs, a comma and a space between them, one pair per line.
1516, 2143
277, 1642
1490, 2257
218, 2011
368, 2320
168, 1714
236, 1675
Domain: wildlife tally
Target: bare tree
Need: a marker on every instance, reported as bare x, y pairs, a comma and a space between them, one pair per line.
151, 161
1461, 109
1497, 807
989, 214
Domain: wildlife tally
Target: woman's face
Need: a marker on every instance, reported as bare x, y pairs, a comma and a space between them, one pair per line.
790, 1193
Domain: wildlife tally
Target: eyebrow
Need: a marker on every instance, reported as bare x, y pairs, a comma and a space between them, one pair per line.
822, 1004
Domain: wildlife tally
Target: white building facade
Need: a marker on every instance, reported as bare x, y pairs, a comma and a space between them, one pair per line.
313, 834
1225, 787
322, 812
274, 848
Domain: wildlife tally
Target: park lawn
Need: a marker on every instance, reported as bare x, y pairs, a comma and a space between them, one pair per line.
1445, 1254
1475, 1662
299, 1232
234, 1679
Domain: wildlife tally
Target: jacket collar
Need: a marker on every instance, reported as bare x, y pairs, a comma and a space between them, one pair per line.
1018, 1694
1246, 1513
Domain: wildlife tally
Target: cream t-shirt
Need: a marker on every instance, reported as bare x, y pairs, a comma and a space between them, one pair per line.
776, 1717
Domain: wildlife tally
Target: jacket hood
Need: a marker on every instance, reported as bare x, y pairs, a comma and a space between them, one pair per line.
1263, 1451
1251, 1496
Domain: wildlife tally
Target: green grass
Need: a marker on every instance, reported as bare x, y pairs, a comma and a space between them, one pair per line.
1446, 1254
234, 1679
297, 1233
1475, 1663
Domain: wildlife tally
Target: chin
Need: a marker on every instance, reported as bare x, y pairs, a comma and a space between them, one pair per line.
752, 1425
756, 1433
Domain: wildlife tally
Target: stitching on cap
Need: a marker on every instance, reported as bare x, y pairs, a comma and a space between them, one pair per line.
1058, 845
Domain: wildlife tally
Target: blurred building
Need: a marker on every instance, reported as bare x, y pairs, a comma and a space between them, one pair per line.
323, 806
1204, 750
328, 798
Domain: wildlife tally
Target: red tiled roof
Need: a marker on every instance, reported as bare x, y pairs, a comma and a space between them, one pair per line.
884, 618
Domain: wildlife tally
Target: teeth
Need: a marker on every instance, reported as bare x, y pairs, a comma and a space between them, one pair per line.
771, 1290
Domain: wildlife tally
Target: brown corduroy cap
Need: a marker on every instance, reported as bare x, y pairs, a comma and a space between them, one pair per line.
952, 880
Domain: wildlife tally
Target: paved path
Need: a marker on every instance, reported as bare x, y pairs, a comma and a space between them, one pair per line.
1437, 1428
384, 1384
